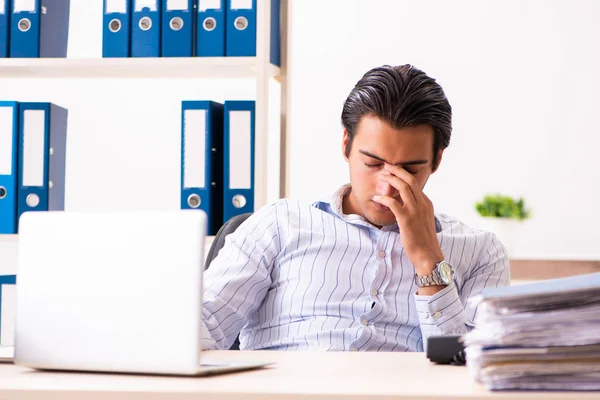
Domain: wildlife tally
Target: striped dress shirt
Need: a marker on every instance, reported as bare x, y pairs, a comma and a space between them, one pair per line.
299, 276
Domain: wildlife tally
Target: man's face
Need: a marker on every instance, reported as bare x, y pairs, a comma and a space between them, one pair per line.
374, 144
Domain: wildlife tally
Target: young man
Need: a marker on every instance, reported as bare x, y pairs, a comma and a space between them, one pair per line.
374, 269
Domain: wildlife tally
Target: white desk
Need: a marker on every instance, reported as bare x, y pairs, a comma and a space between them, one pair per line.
297, 375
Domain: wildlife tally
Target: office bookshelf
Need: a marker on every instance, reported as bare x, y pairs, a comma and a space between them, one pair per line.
258, 68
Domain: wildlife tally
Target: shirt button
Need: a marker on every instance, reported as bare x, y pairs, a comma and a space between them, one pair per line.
374, 292
426, 315
353, 348
365, 322
382, 253
437, 314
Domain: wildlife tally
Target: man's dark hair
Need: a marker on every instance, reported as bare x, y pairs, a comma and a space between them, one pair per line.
402, 96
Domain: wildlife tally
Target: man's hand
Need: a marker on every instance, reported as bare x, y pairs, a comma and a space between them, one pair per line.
414, 214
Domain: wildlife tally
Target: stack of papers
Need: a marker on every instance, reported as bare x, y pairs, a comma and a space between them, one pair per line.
541, 336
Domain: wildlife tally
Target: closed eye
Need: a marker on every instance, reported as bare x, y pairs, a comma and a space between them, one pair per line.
380, 164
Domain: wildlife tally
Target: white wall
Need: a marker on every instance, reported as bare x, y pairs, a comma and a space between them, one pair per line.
521, 75
124, 135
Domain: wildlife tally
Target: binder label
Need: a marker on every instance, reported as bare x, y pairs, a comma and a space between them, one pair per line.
141, 4
240, 175
33, 147
116, 6
194, 149
209, 5
241, 4
24, 6
177, 5
6, 140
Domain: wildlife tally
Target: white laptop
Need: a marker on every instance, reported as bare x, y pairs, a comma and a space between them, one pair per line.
112, 292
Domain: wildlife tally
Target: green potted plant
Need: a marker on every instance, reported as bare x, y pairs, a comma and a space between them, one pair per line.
502, 215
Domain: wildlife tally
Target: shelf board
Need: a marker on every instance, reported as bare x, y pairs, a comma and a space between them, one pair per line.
194, 67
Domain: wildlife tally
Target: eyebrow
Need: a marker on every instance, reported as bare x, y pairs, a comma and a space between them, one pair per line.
412, 162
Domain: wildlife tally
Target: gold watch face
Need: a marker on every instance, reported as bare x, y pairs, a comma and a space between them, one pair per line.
446, 272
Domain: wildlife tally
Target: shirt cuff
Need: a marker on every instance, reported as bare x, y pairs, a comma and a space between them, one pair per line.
443, 310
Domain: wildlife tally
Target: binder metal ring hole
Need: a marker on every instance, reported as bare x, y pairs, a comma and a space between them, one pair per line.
114, 25
209, 24
194, 201
32, 200
241, 23
2, 192
24, 24
145, 23
239, 201
176, 24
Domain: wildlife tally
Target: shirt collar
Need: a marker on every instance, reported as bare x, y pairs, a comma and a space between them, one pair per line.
335, 206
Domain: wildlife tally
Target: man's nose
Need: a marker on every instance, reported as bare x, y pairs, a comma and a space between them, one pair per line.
385, 189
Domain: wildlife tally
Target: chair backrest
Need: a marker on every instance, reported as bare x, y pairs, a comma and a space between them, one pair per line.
227, 228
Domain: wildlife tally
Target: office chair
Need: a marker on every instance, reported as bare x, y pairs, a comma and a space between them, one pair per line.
227, 228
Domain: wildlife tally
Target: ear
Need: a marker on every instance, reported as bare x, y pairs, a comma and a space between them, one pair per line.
345, 142
440, 155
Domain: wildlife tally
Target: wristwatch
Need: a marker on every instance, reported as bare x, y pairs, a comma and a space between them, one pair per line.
441, 275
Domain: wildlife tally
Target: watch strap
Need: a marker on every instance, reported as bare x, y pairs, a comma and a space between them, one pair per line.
433, 279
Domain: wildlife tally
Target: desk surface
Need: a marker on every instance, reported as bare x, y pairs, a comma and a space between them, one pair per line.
297, 375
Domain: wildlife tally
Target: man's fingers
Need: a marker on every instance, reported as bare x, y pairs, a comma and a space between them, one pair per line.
406, 177
402, 187
390, 203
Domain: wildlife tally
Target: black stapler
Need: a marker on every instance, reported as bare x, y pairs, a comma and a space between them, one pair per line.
446, 350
